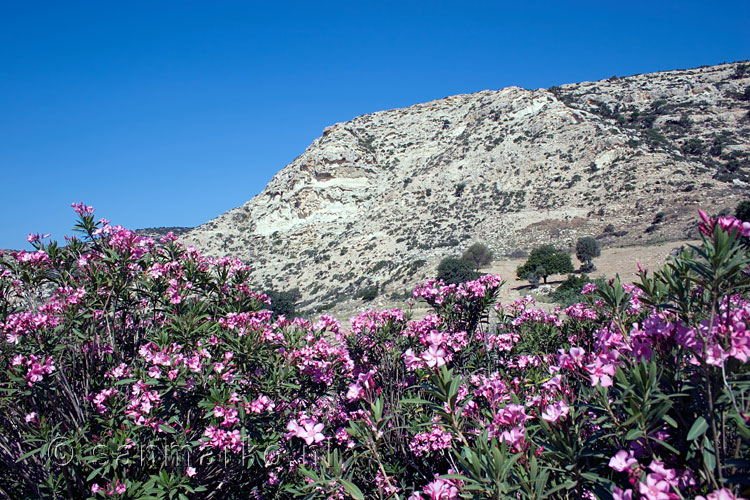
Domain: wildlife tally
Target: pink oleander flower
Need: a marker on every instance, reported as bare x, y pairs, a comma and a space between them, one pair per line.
513, 437
194, 363
82, 209
32, 418
727, 224
622, 460
441, 489
412, 361
162, 358
434, 356
601, 373
555, 411
661, 472
722, 494
385, 484
588, 288
655, 488
341, 435
222, 439
99, 399
716, 355
37, 371
190, 471
355, 392
426, 442
273, 479
618, 494
120, 371
580, 311
261, 404
309, 431
511, 415
33, 238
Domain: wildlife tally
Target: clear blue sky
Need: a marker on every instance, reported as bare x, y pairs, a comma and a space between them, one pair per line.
166, 113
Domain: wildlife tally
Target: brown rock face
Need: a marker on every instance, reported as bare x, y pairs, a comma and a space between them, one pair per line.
379, 200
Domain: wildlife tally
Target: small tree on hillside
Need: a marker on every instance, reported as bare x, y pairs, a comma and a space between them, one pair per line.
743, 211
543, 262
586, 249
478, 254
453, 271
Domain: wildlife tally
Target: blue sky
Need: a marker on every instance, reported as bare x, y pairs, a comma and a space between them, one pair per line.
170, 113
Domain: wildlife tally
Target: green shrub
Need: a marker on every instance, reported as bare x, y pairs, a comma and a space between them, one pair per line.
325, 307
416, 264
693, 147
368, 294
283, 303
569, 291
380, 265
453, 270
743, 210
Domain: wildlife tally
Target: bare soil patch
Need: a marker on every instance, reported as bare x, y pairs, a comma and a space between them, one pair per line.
623, 261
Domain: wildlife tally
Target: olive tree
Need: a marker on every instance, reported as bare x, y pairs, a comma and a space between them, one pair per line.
544, 261
586, 249
478, 254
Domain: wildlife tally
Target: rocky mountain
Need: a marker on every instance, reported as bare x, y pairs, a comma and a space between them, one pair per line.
374, 203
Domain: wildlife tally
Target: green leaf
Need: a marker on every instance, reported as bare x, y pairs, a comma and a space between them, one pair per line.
709, 456
352, 489
27, 455
666, 445
633, 434
454, 476
742, 426
94, 473
698, 428
594, 478
672, 422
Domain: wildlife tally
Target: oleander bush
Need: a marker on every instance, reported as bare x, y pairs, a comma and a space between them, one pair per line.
569, 291
137, 369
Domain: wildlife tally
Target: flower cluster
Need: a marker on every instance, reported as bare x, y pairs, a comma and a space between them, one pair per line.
425, 443
727, 224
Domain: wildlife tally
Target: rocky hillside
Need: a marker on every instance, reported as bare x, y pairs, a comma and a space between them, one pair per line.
159, 232
376, 202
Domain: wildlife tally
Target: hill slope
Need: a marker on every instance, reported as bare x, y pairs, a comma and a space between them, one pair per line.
378, 200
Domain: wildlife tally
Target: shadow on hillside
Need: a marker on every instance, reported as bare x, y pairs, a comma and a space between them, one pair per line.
531, 287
